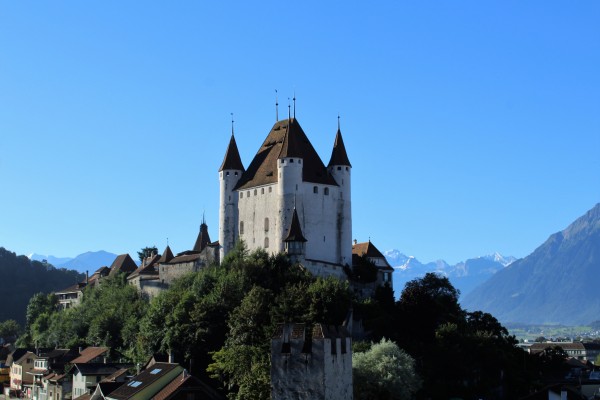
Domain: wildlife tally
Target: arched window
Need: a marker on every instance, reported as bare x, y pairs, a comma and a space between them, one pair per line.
241, 227
266, 224
266, 243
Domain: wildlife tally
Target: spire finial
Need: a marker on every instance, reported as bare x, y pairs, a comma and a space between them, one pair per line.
203, 219
276, 106
294, 103
338, 121
289, 109
231, 124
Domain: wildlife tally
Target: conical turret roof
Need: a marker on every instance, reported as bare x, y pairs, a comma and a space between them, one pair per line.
338, 154
167, 255
232, 158
203, 238
295, 232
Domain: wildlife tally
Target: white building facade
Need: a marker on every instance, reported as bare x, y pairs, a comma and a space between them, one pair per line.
286, 176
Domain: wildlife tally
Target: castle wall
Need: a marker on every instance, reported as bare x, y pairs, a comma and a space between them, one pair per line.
255, 205
338, 368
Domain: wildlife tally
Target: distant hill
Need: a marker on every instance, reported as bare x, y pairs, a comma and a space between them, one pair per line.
464, 276
89, 261
21, 278
556, 284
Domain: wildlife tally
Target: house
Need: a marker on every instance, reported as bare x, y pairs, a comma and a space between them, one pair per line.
148, 383
372, 254
145, 278
72, 296
58, 386
123, 263
87, 375
315, 366
287, 183
47, 365
92, 355
187, 387
573, 349
20, 379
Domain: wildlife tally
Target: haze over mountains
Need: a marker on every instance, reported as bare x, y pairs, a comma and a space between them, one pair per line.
464, 276
89, 261
557, 283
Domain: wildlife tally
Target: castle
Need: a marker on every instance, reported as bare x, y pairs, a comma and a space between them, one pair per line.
289, 201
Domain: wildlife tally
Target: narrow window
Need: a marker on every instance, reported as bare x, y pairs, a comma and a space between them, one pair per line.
227, 173
255, 192
270, 189
326, 191
266, 224
230, 198
241, 227
291, 160
235, 173
315, 189
339, 168
299, 161
248, 193
262, 191
266, 243
241, 195
346, 168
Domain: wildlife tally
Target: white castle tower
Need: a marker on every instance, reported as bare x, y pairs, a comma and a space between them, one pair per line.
287, 177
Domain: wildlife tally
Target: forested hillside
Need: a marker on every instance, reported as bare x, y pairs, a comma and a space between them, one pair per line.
21, 278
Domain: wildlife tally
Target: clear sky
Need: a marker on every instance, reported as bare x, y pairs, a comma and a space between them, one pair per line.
472, 127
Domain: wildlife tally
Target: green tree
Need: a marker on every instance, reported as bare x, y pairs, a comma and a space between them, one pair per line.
384, 372
10, 329
147, 252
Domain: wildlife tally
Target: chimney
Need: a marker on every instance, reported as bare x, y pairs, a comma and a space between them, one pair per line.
171, 357
355, 241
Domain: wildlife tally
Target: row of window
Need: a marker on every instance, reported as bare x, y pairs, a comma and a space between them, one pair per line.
262, 191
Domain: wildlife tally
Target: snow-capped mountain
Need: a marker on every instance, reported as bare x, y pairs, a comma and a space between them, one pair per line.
465, 275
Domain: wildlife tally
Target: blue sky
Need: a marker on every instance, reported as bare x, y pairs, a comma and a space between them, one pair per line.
472, 127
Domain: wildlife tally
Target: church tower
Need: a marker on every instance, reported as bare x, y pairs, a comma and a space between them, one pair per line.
340, 168
229, 174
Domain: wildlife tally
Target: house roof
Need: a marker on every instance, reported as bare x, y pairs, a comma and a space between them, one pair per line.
294, 234
167, 255
116, 375
369, 250
232, 158
143, 380
338, 154
189, 383
24, 357
286, 139
566, 346
107, 388
78, 287
123, 263
89, 353
203, 238
148, 267
89, 369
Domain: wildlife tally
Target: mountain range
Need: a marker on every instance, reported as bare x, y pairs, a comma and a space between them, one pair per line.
556, 284
464, 276
86, 262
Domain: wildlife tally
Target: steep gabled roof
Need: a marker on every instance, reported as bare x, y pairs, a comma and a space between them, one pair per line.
167, 256
89, 353
123, 263
286, 139
295, 232
203, 238
188, 384
366, 248
338, 154
232, 158
148, 267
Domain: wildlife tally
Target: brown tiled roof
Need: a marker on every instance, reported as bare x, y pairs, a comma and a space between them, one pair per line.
366, 248
232, 158
539, 347
86, 396
186, 256
338, 154
89, 353
123, 263
116, 375
203, 238
321, 331
148, 267
167, 255
286, 139
78, 287
295, 232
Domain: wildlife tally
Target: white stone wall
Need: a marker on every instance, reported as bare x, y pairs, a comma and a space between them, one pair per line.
338, 369
254, 206
228, 210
